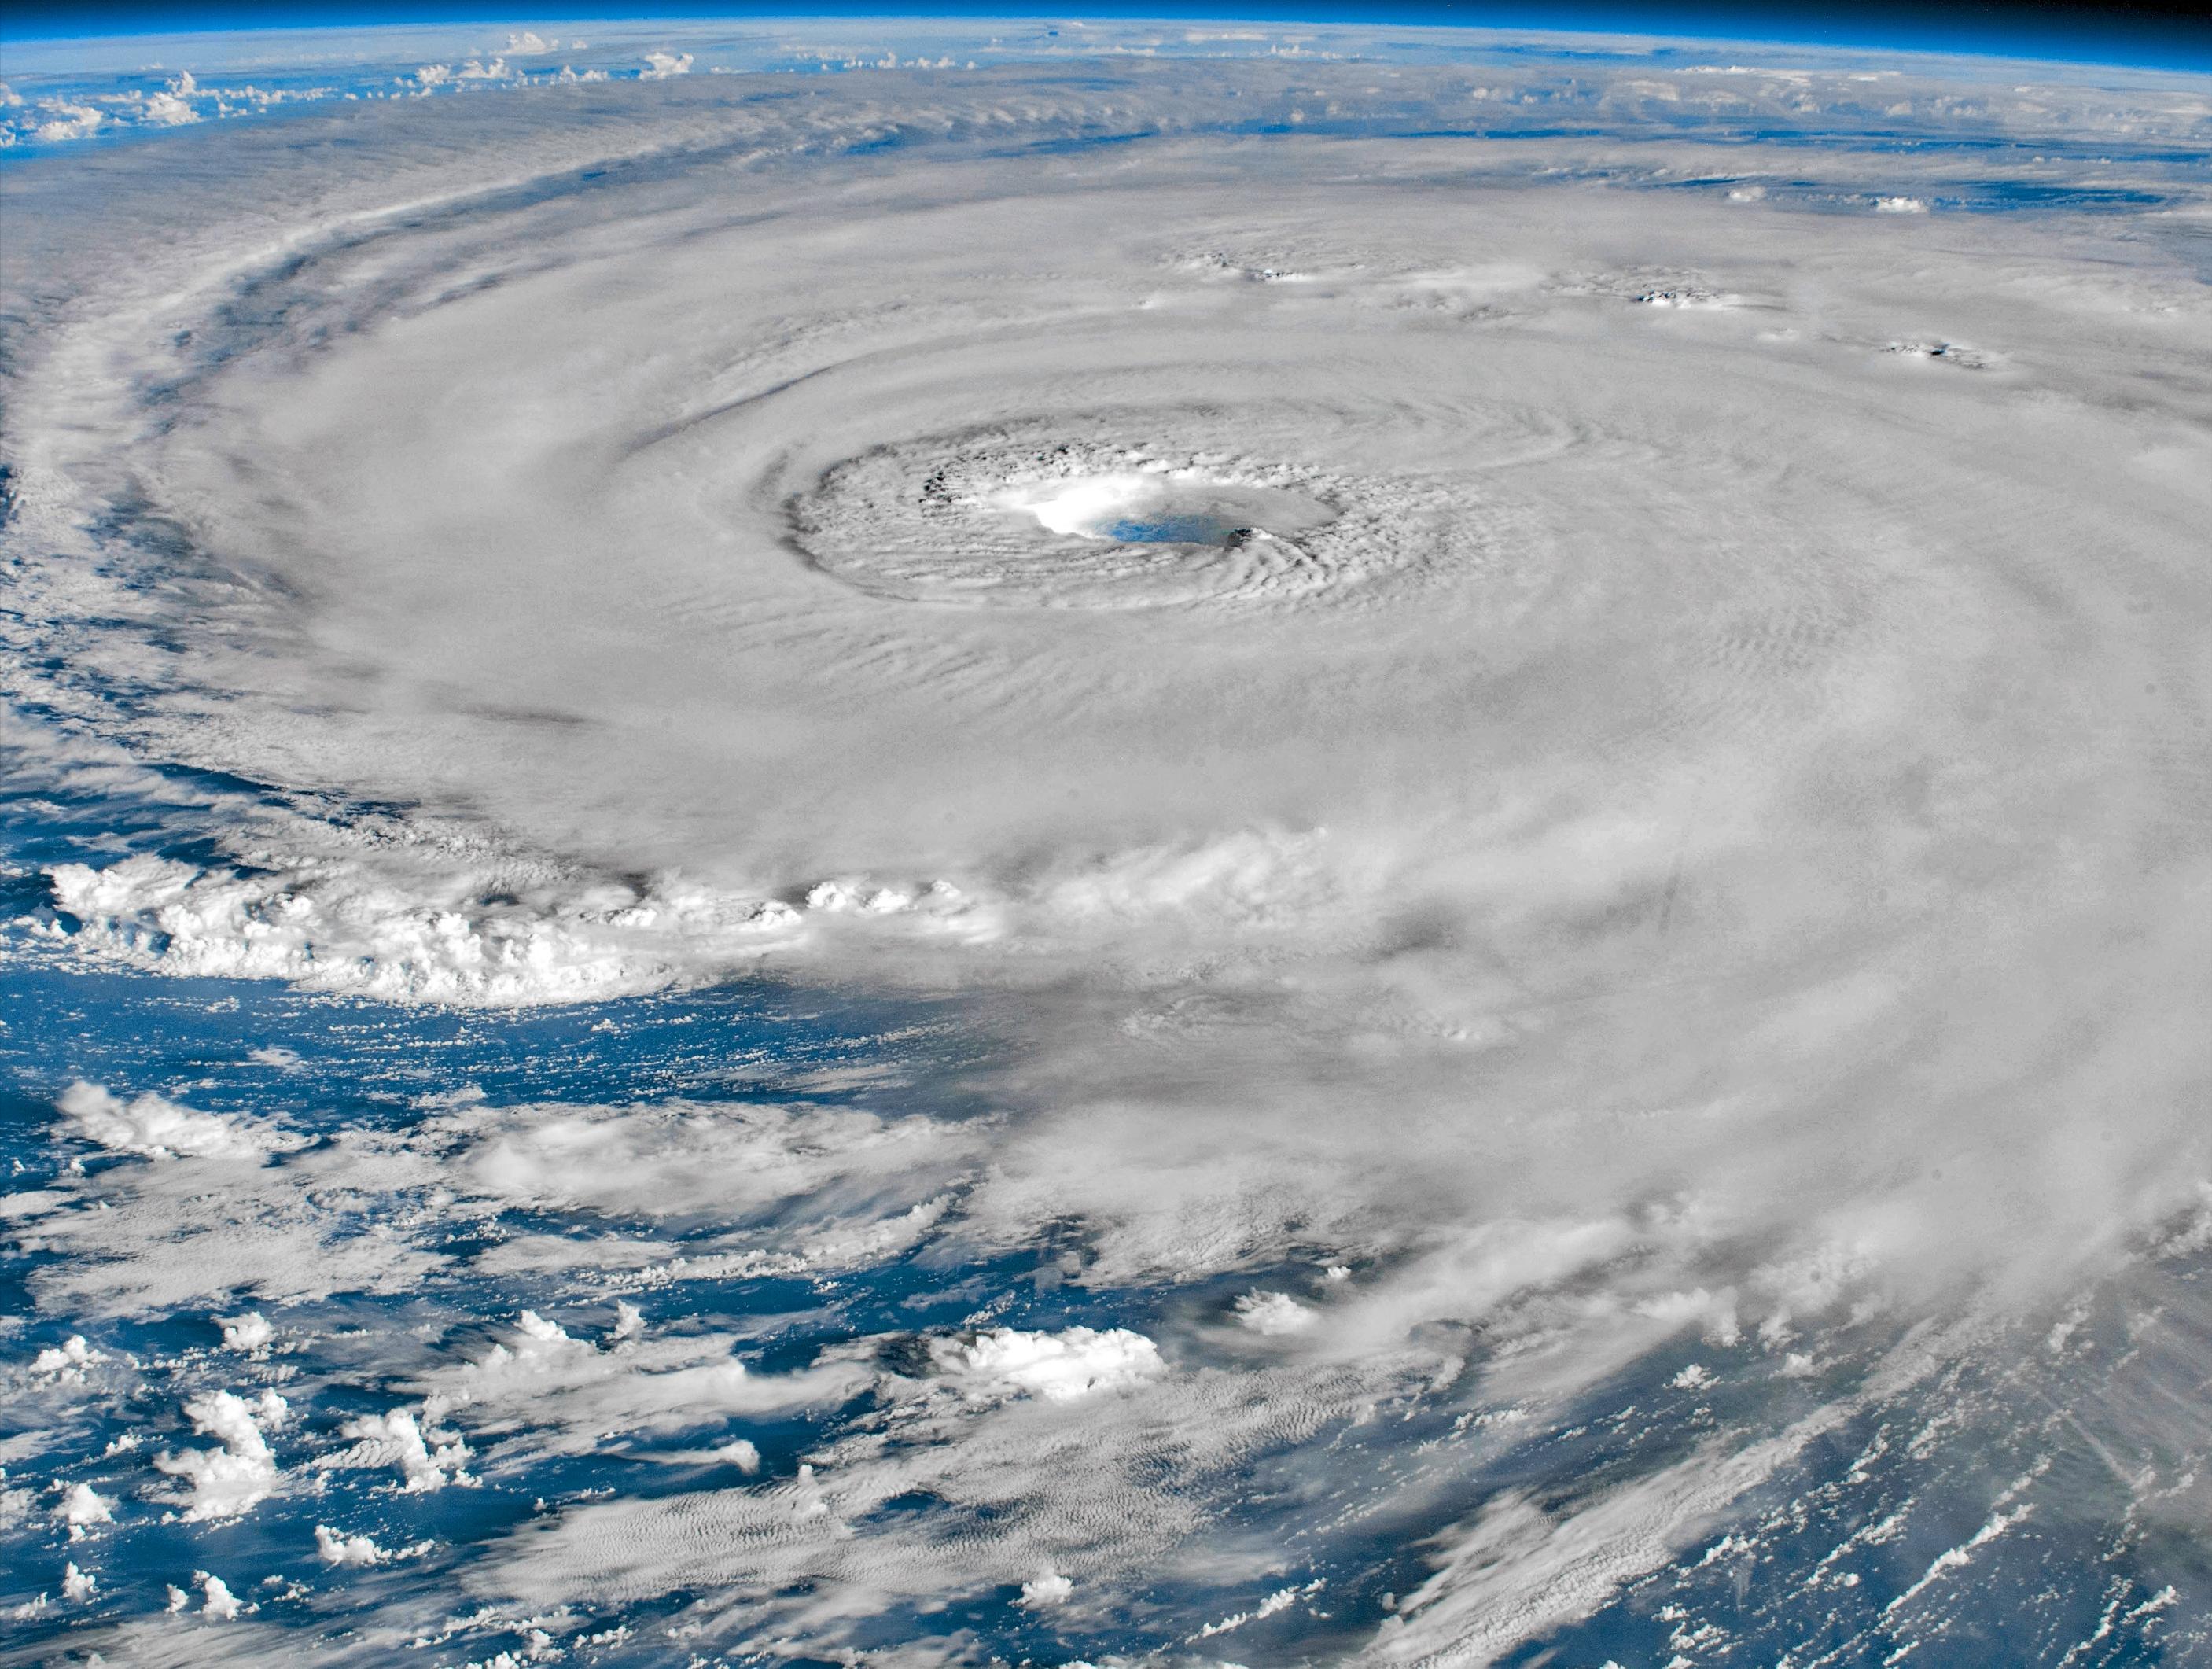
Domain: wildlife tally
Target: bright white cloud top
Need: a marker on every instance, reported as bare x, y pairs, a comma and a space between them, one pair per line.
1519, 743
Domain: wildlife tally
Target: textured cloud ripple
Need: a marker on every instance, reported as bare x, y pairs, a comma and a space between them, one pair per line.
1551, 765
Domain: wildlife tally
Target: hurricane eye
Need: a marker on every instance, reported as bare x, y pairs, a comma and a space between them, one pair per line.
1157, 509
1001, 519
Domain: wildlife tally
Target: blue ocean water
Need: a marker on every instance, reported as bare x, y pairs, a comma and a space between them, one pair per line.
1175, 530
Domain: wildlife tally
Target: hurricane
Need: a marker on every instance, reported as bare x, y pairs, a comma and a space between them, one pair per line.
923, 843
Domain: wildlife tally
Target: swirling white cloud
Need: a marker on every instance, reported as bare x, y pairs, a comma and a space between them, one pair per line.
1567, 735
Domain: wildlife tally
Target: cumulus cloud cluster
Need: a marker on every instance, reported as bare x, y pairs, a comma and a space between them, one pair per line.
232, 1480
1534, 796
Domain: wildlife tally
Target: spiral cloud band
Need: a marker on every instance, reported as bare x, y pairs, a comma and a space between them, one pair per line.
1552, 710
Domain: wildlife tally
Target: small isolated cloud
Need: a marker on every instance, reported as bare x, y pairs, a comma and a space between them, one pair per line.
218, 1603
246, 1333
76, 1585
1281, 1600
1275, 1314
1899, 205
81, 1506
530, 44
167, 110
336, 1548
1058, 1367
1046, 1591
662, 65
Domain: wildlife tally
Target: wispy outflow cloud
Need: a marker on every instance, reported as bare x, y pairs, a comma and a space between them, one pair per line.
1510, 740
782, 1189
151, 1126
572, 1395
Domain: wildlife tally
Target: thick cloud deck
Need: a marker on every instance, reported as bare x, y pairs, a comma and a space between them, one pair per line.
1562, 752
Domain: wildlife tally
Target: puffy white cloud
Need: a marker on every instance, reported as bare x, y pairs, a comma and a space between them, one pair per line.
169, 109
661, 66
1275, 1314
83, 1507
241, 1474
246, 1333
426, 1457
68, 1360
344, 931
336, 1548
218, 1603
1041, 1592
1060, 1367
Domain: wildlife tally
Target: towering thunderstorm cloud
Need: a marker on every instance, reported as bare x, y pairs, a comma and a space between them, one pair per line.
1174, 847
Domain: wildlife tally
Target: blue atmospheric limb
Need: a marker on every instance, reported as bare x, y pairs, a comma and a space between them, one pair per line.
2162, 34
